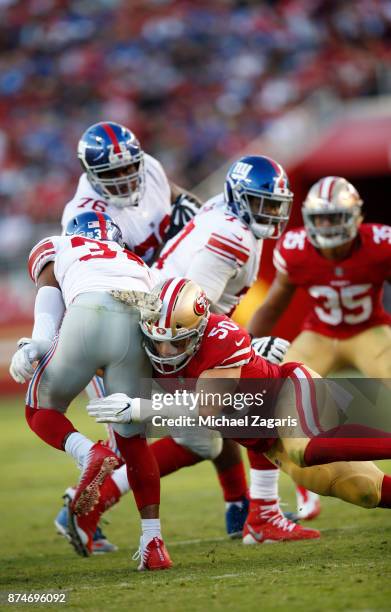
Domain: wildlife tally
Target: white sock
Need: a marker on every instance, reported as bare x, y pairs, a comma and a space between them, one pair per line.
150, 529
78, 447
264, 484
120, 478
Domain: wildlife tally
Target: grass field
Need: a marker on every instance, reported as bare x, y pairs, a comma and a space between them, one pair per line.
348, 569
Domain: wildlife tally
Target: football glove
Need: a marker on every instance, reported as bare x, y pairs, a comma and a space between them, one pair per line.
115, 408
183, 210
29, 350
271, 348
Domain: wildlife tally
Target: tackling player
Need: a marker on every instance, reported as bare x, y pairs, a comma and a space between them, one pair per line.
79, 272
185, 339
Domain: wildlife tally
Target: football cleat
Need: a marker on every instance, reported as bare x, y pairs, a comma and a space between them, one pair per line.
152, 557
266, 524
308, 504
99, 464
235, 517
100, 544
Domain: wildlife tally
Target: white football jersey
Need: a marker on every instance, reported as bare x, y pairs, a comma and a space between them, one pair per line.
83, 265
143, 227
216, 250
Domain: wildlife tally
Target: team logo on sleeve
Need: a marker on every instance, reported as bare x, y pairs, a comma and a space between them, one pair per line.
201, 304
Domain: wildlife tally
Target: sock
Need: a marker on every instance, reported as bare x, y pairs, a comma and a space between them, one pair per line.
233, 482
120, 477
142, 470
385, 500
263, 477
78, 447
368, 444
171, 456
49, 425
264, 484
109, 494
150, 529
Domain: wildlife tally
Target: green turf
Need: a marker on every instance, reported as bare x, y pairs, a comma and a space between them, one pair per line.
348, 569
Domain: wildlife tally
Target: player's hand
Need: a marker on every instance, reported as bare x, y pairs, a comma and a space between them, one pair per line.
115, 408
21, 368
183, 210
271, 348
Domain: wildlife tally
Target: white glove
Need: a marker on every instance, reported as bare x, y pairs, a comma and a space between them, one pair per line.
115, 408
271, 348
21, 368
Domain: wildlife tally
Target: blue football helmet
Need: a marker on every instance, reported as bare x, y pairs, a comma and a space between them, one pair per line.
98, 226
257, 191
114, 162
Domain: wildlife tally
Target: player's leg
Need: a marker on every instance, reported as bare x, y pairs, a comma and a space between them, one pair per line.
126, 375
319, 353
370, 352
60, 376
318, 441
356, 482
265, 521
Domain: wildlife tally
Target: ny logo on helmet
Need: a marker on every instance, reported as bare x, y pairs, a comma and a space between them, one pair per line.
241, 171
122, 155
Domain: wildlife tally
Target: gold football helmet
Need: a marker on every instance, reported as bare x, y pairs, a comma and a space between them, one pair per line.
332, 212
172, 339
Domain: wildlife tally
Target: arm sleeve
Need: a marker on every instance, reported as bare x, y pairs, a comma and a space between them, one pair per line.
48, 313
210, 272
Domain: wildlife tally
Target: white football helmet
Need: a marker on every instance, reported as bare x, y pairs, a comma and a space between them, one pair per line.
332, 212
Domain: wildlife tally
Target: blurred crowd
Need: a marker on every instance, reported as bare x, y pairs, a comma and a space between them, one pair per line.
196, 80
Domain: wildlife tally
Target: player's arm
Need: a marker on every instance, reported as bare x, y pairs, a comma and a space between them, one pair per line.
48, 313
185, 206
119, 408
275, 303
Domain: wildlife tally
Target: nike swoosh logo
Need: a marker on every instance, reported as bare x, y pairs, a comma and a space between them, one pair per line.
255, 535
240, 238
240, 342
123, 409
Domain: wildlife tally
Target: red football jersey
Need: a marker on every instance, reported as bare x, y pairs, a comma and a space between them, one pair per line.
226, 345
346, 296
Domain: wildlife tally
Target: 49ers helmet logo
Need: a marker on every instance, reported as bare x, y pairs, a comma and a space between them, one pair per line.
201, 304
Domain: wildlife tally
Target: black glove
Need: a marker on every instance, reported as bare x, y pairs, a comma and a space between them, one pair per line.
183, 210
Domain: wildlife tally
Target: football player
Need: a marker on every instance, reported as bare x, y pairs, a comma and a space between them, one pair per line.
131, 186
342, 264
185, 341
77, 274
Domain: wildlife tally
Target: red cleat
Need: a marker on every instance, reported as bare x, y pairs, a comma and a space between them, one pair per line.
308, 504
154, 556
100, 462
82, 530
266, 524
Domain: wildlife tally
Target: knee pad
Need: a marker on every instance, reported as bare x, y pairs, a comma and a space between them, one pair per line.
208, 446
